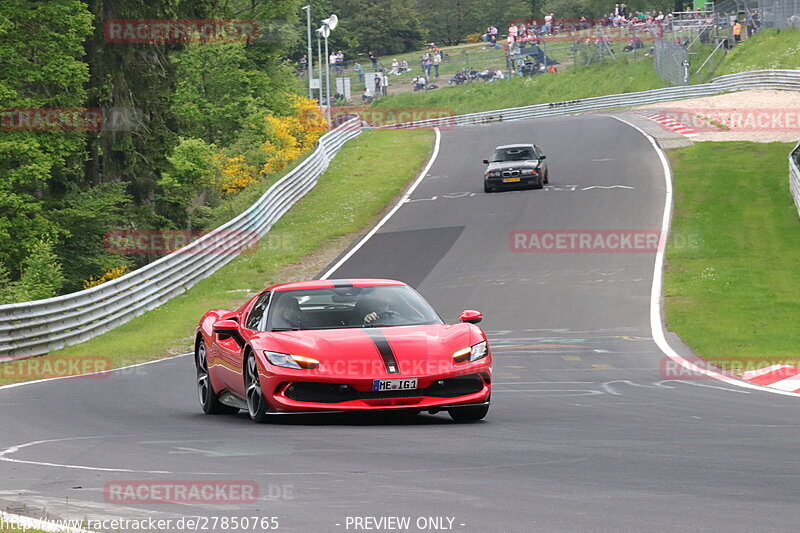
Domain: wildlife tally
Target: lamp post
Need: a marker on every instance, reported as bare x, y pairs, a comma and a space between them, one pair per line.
327, 25
309, 55
319, 63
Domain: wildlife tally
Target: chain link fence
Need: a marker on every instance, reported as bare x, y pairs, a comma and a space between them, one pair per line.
779, 14
671, 61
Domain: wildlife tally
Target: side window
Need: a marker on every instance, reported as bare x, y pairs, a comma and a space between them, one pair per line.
257, 312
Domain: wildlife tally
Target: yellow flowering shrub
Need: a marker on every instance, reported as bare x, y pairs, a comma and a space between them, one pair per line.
108, 275
236, 173
289, 137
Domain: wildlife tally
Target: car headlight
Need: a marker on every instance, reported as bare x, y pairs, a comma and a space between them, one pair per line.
492, 174
473, 353
297, 362
529, 172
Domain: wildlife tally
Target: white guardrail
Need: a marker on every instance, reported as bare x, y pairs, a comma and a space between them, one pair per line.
794, 176
34, 328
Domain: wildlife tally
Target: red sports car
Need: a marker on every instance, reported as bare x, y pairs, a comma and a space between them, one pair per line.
341, 345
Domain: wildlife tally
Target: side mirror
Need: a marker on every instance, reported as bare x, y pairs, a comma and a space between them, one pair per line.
485, 161
542, 156
471, 316
226, 327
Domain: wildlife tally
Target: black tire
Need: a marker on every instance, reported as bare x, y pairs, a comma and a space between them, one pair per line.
486, 188
538, 185
468, 414
547, 178
256, 404
209, 399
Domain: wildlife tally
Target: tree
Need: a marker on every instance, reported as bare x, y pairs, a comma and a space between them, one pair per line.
41, 276
41, 46
85, 217
193, 175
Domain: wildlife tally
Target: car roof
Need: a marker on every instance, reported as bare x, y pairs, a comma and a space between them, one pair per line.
331, 283
506, 146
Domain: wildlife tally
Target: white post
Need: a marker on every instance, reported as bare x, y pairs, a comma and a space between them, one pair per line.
328, 81
310, 54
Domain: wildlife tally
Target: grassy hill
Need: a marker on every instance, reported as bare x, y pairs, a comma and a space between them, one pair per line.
767, 49
580, 82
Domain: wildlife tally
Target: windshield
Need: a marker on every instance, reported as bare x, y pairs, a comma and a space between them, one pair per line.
513, 154
349, 307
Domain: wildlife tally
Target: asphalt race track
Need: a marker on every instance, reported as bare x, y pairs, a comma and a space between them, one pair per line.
585, 433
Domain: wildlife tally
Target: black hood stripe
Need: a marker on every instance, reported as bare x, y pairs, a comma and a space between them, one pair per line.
385, 350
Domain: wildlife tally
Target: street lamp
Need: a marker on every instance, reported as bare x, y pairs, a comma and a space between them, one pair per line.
328, 24
309, 55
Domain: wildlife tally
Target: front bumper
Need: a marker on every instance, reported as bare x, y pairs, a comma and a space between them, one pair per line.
524, 181
317, 394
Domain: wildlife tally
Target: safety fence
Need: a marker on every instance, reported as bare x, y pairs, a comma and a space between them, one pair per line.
757, 79
33, 328
794, 176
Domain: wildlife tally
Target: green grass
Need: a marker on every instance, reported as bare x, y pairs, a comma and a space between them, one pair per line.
732, 295
766, 49
347, 199
581, 82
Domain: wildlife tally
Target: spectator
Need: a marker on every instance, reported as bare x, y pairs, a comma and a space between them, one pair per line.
418, 83
395, 67
512, 32
303, 64
737, 32
548, 24
332, 62
437, 60
374, 58
339, 61
378, 85
427, 63
404, 66
360, 71
751, 25
366, 96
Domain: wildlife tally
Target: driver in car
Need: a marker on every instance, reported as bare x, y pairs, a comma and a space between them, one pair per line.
380, 309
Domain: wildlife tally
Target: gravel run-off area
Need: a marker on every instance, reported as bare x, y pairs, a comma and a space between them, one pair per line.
758, 116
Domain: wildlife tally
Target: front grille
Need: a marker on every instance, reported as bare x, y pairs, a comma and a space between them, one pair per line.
510, 173
337, 393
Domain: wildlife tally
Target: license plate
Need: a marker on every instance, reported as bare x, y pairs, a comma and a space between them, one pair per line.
510, 180
393, 384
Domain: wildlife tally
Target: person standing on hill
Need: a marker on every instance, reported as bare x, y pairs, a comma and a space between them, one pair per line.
737, 32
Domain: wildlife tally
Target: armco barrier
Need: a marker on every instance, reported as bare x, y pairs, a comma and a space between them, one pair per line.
32, 328
794, 176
